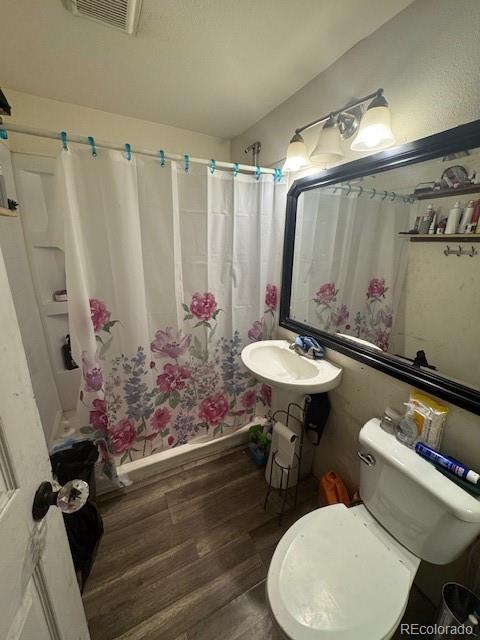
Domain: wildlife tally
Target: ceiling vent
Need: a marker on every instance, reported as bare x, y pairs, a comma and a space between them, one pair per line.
119, 14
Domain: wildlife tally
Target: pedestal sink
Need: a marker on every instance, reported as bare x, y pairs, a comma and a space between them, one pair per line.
291, 377
273, 362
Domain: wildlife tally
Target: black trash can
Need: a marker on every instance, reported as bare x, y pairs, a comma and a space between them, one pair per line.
84, 527
453, 621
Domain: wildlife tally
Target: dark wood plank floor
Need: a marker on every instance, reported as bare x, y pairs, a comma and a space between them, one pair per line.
185, 554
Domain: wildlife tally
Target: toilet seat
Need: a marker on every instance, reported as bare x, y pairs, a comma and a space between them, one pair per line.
332, 578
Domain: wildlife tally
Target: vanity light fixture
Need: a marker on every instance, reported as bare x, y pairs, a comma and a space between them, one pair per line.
373, 129
297, 156
328, 149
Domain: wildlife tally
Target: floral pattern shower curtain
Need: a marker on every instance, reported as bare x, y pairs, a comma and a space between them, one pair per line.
169, 275
353, 263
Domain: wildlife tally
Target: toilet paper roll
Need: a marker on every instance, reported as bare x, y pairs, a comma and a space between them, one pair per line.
284, 442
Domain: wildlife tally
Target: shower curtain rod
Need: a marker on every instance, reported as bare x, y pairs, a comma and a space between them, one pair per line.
54, 135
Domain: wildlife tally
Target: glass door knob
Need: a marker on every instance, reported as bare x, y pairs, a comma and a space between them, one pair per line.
70, 498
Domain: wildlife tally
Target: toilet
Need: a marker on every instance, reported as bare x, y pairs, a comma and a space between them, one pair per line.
345, 574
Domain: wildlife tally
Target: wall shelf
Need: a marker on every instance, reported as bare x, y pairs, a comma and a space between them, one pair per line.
445, 193
443, 237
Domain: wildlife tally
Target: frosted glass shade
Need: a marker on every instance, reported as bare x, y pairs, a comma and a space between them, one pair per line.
328, 150
375, 131
297, 156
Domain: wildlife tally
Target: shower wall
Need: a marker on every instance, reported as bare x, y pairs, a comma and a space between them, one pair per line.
34, 182
43, 322
12, 242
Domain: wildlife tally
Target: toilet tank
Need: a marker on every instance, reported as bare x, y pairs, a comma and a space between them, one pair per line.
430, 515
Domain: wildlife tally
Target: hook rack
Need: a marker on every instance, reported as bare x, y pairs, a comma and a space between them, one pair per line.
460, 251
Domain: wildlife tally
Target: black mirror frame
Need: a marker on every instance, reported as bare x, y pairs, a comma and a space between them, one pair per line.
454, 140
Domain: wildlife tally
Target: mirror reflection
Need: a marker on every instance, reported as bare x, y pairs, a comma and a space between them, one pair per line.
392, 260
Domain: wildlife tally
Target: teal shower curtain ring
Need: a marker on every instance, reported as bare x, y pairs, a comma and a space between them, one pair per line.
162, 157
349, 189
258, 172
186, 162
236, 169
3, 134
63, 136
91, 142
385, 194
360, 191
374, 193
128, 151
278, 174
212, 166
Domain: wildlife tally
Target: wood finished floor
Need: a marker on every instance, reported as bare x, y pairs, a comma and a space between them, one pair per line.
185, 554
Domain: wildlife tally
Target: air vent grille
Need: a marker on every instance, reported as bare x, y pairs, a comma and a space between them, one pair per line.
120, 14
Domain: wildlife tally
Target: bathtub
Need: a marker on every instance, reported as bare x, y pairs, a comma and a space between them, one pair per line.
130, 472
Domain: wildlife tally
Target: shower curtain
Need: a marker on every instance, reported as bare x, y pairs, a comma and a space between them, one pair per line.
169, 274
353, 263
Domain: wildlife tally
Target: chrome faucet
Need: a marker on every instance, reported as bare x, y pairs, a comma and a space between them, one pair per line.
308, 347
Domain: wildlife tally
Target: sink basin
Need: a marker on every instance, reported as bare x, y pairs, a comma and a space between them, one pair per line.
273, 362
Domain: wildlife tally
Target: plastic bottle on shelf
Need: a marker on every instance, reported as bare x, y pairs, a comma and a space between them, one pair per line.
453, 219
426, 220
467, 217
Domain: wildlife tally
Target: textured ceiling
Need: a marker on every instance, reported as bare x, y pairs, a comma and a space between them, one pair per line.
214, 66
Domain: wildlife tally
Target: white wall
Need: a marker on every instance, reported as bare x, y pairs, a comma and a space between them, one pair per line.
427, 60
438, 306
62, 116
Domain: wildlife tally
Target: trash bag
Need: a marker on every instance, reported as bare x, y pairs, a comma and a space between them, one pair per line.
84, 532
85, 526
76, 462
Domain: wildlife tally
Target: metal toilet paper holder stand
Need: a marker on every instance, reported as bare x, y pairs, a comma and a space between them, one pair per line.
288, 468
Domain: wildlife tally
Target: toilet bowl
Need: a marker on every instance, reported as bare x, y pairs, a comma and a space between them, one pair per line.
346, 574
336, 574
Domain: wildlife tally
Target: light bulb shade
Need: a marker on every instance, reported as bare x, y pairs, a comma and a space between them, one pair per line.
375, 131
328, 150
297, 156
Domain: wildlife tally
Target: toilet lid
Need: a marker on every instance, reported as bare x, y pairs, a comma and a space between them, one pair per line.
330, 577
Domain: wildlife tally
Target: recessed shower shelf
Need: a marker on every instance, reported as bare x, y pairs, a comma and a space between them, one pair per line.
55, 308
443, 237
67, 372
10, 213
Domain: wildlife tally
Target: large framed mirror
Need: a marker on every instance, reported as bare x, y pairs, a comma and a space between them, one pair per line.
382, 262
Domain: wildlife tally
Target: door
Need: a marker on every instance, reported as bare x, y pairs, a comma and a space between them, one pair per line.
39, 596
